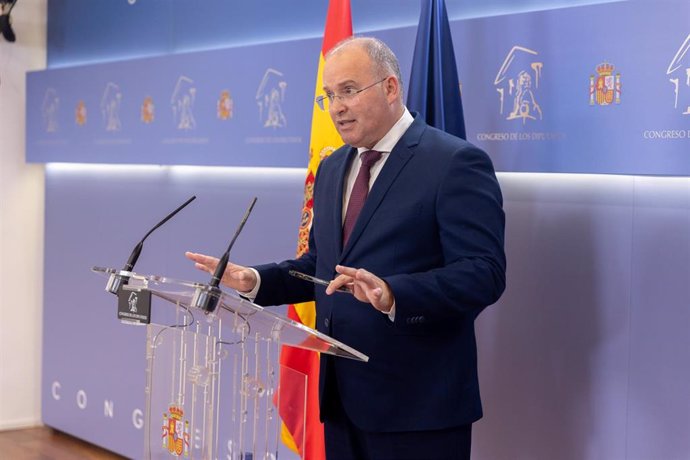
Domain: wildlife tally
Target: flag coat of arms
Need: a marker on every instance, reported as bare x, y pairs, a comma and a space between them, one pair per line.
302, 430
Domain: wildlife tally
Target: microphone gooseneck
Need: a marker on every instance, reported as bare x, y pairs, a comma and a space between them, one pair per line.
134, 256
117, 281
223, 262
207, 297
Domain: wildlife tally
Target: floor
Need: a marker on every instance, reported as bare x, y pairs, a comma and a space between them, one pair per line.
48, 444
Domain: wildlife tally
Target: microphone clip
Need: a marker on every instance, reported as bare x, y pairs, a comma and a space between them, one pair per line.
206, 298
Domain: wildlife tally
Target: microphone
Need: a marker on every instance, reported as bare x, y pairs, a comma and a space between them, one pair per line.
117, 281
206, 297
5, 22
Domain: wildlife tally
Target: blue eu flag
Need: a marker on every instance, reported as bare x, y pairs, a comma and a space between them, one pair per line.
434, 90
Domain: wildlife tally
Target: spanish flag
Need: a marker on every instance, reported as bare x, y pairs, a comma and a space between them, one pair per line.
302, 431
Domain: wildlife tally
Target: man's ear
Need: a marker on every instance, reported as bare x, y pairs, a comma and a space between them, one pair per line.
392, 88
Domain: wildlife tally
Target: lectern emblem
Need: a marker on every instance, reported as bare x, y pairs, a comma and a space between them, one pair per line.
176, 432
133, 301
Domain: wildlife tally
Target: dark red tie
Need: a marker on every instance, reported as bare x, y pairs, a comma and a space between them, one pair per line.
359, 192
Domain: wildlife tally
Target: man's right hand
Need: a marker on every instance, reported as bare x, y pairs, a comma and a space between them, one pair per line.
237, 277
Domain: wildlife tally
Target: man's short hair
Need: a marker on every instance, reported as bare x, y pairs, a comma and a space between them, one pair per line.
381, 55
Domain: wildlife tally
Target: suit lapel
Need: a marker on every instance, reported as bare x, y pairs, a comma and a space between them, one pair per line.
341, 175
397, 160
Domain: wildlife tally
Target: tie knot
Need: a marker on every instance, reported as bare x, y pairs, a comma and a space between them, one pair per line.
370, 157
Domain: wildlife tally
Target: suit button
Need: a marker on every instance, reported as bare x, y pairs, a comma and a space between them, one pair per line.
326, 322
421, 319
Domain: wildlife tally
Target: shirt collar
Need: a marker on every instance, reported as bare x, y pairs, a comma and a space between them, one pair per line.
392, 137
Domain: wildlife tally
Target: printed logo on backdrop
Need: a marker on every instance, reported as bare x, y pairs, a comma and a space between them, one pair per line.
517, 84
148, 110
80, 113
270, 99
225, 105
182, 106
49, 110
605, 87
678, 74
182, 103
111, 102
50, 114
110, 106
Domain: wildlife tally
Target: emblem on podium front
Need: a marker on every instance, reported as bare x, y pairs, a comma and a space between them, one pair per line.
176, 432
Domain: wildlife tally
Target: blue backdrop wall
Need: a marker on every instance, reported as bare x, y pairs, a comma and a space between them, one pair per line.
82, 31
586, 356
561, 90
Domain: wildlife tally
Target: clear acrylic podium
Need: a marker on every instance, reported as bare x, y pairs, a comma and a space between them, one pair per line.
212, 377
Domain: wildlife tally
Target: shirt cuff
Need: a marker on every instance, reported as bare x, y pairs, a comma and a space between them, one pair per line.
390, 313
251, 295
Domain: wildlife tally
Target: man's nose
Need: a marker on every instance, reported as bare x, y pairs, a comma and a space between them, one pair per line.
338, 105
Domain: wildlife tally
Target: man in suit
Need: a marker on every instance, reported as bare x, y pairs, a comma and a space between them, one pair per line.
414, 231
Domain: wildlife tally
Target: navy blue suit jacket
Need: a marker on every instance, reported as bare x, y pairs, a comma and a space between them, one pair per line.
432, 227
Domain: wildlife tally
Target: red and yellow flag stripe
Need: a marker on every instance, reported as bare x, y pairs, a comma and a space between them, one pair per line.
303, 432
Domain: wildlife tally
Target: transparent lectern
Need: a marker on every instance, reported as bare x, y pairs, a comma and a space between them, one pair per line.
212, 377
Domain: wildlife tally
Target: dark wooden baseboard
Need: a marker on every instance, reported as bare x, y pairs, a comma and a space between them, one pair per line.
45, 443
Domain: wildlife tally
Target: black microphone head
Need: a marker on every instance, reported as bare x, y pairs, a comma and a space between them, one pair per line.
133, 257
220, 270
6, 28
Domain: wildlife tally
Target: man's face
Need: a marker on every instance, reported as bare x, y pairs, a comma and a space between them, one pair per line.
364, 119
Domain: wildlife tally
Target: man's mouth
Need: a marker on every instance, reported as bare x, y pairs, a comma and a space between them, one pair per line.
345, 123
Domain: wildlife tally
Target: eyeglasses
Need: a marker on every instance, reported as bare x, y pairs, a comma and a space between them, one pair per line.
346, 95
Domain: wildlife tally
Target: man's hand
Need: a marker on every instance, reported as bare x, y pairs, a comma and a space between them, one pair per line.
365, 286
236, 277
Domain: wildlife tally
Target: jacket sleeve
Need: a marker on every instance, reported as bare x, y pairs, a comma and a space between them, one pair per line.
470, 222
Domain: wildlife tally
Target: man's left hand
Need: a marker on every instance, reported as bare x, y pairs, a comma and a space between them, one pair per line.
365, 286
